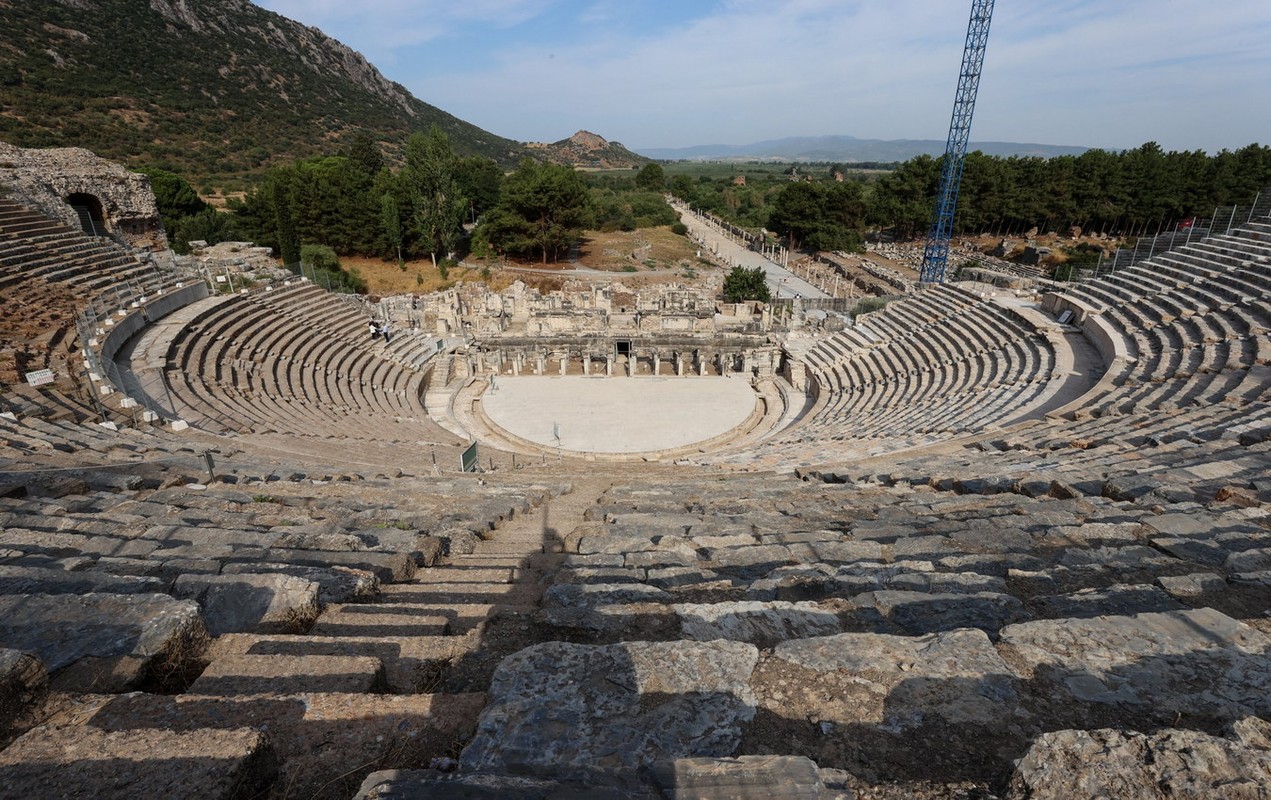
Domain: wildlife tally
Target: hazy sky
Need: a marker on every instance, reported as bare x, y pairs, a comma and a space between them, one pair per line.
657, 73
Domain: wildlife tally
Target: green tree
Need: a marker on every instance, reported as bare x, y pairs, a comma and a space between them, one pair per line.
543, 208
279, 198
742, 284
819, 216
683, 188
479, 180
209, 226
391, 219
319, 256
438, 208
651, 177
364, 152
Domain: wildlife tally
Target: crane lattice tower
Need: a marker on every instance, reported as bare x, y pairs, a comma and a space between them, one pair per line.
935, 255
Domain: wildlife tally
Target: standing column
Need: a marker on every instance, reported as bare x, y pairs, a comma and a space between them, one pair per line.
701, 364
609, 365
586, 363
679, 364
516, 365
540, 364
657, 364
564, 359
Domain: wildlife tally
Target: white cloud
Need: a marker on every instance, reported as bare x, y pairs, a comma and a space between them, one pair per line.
1064, 72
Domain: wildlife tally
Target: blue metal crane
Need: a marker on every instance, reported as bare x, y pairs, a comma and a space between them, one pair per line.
935, 256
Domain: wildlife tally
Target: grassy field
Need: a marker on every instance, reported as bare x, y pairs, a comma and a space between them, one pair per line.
648, 255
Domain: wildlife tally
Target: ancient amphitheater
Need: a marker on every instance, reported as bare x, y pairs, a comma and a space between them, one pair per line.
955, 549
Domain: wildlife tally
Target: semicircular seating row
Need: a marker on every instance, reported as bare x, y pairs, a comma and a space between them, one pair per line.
941, 363
48, 273
1192, 396
296, 360
1195, 325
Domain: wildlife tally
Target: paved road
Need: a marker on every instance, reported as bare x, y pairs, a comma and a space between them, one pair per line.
781, 282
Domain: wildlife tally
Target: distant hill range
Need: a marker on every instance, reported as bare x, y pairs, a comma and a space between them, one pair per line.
588, 151
207, 88
845, 149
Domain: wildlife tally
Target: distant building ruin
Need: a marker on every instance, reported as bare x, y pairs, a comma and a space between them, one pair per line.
87, 192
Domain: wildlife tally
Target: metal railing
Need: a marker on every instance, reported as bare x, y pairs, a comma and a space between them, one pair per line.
1223, 221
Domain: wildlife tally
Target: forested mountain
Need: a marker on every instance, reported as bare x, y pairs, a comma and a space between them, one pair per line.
213, 88
847, 148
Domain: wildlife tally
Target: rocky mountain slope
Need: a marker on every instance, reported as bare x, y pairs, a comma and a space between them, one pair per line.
587, 150
213, 88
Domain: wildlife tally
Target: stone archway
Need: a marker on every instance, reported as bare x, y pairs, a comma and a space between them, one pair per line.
91, 213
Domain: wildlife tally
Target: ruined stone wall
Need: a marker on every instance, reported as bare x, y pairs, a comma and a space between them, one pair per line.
44, 179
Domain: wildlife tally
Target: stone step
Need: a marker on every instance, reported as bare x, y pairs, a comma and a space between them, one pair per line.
38, 580
412, 664
423, 593
87, 761
325, 743
335, 584
288, 674
387, 567
101, 642
1154, 667
460, 617
263, 603
379, 620
487, 561
418, 783
502, 547
468, 574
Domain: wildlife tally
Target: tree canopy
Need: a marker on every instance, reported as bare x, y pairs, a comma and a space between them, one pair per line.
543, 209
742, 284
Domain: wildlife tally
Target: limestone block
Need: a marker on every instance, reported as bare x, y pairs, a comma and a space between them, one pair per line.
568, 595
34, 580
1148, 667
335, 584
411, 784
846, 552
1168, 765
263, 603
1193, 585
318, 737
85, 761
231, 675
1257, 560
751, 557
743, 778
868, 702
919, 612
611, 623
578, 712
760, 623
106, 628
614, 543
22, 681
1120, 599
